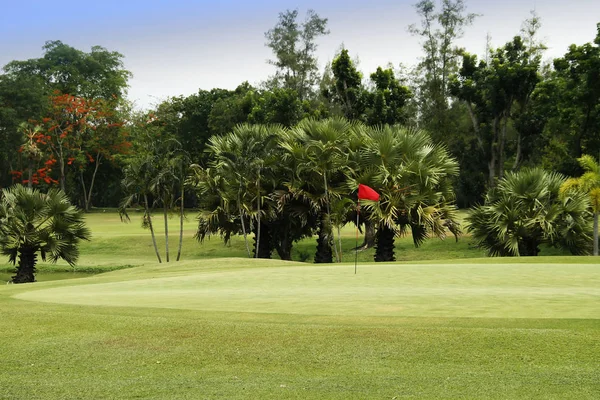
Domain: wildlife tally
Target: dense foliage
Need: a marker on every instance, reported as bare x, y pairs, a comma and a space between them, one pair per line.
526, 209
279, 160
32, 223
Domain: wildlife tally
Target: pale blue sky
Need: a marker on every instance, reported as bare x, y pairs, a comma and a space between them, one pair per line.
176, 47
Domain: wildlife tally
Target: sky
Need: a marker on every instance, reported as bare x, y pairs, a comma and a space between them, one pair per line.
178, 47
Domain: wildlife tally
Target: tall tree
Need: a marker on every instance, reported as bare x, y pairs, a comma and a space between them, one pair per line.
387, 100
346, 89
294, 45
490, 91
439, 30
318, 153
97, 74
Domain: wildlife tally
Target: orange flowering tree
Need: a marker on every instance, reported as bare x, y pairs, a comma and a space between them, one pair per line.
77, 134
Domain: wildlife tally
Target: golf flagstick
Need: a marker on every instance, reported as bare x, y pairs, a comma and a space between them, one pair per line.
356, 248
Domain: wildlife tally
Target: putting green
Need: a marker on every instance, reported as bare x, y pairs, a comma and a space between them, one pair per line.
469, 290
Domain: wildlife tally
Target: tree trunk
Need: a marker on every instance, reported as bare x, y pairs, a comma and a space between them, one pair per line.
369, 240
242, 220
26, 268
151, 227
501, 143
61, 163
384, 249
283, 245
595, 233
529, 246
330, 228
85, 203
165, 216
493, 162
339, 232
324, 254
517, 162
181, 215
88, 203
264, 247
256, 255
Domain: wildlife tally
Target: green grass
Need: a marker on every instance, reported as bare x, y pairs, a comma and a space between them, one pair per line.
233, 328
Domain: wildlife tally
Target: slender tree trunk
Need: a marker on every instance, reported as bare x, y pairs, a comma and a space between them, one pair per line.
61, 164
88, 203
475, 123
493, 162
517, 162
85, 203
339, 232
242, 220
181, 215
502, 141
26, 267
165, 217
151, 227
596, 233
258, 215
329, 227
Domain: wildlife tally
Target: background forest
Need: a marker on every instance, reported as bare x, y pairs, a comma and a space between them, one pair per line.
293, 148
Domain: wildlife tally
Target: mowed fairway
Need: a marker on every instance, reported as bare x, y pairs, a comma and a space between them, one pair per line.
233, 328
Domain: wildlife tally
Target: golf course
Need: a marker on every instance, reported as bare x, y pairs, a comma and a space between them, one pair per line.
217, 325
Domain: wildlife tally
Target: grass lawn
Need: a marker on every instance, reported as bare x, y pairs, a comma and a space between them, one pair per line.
212, 327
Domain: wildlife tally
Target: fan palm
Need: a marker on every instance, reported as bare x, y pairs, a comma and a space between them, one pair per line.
589, 183
33, 222
412, 176
526, 210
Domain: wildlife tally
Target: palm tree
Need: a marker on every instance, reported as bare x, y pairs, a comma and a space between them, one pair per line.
241, 158
33, 222
526, 210
317, 152
136, 183
413, 177
140, 173
589, 183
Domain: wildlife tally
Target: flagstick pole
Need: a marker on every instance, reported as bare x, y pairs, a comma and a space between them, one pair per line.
356, 248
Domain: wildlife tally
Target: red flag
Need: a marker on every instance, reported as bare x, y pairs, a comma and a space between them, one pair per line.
366, 193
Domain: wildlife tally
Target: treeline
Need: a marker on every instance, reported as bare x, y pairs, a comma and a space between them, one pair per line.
65, 120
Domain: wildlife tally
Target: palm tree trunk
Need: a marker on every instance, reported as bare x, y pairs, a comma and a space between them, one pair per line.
151, 227
340, 241
165, 217
596, 233
384, 249
329, 227
181, 220
323, 254
242, 220
258, 216
26, 267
